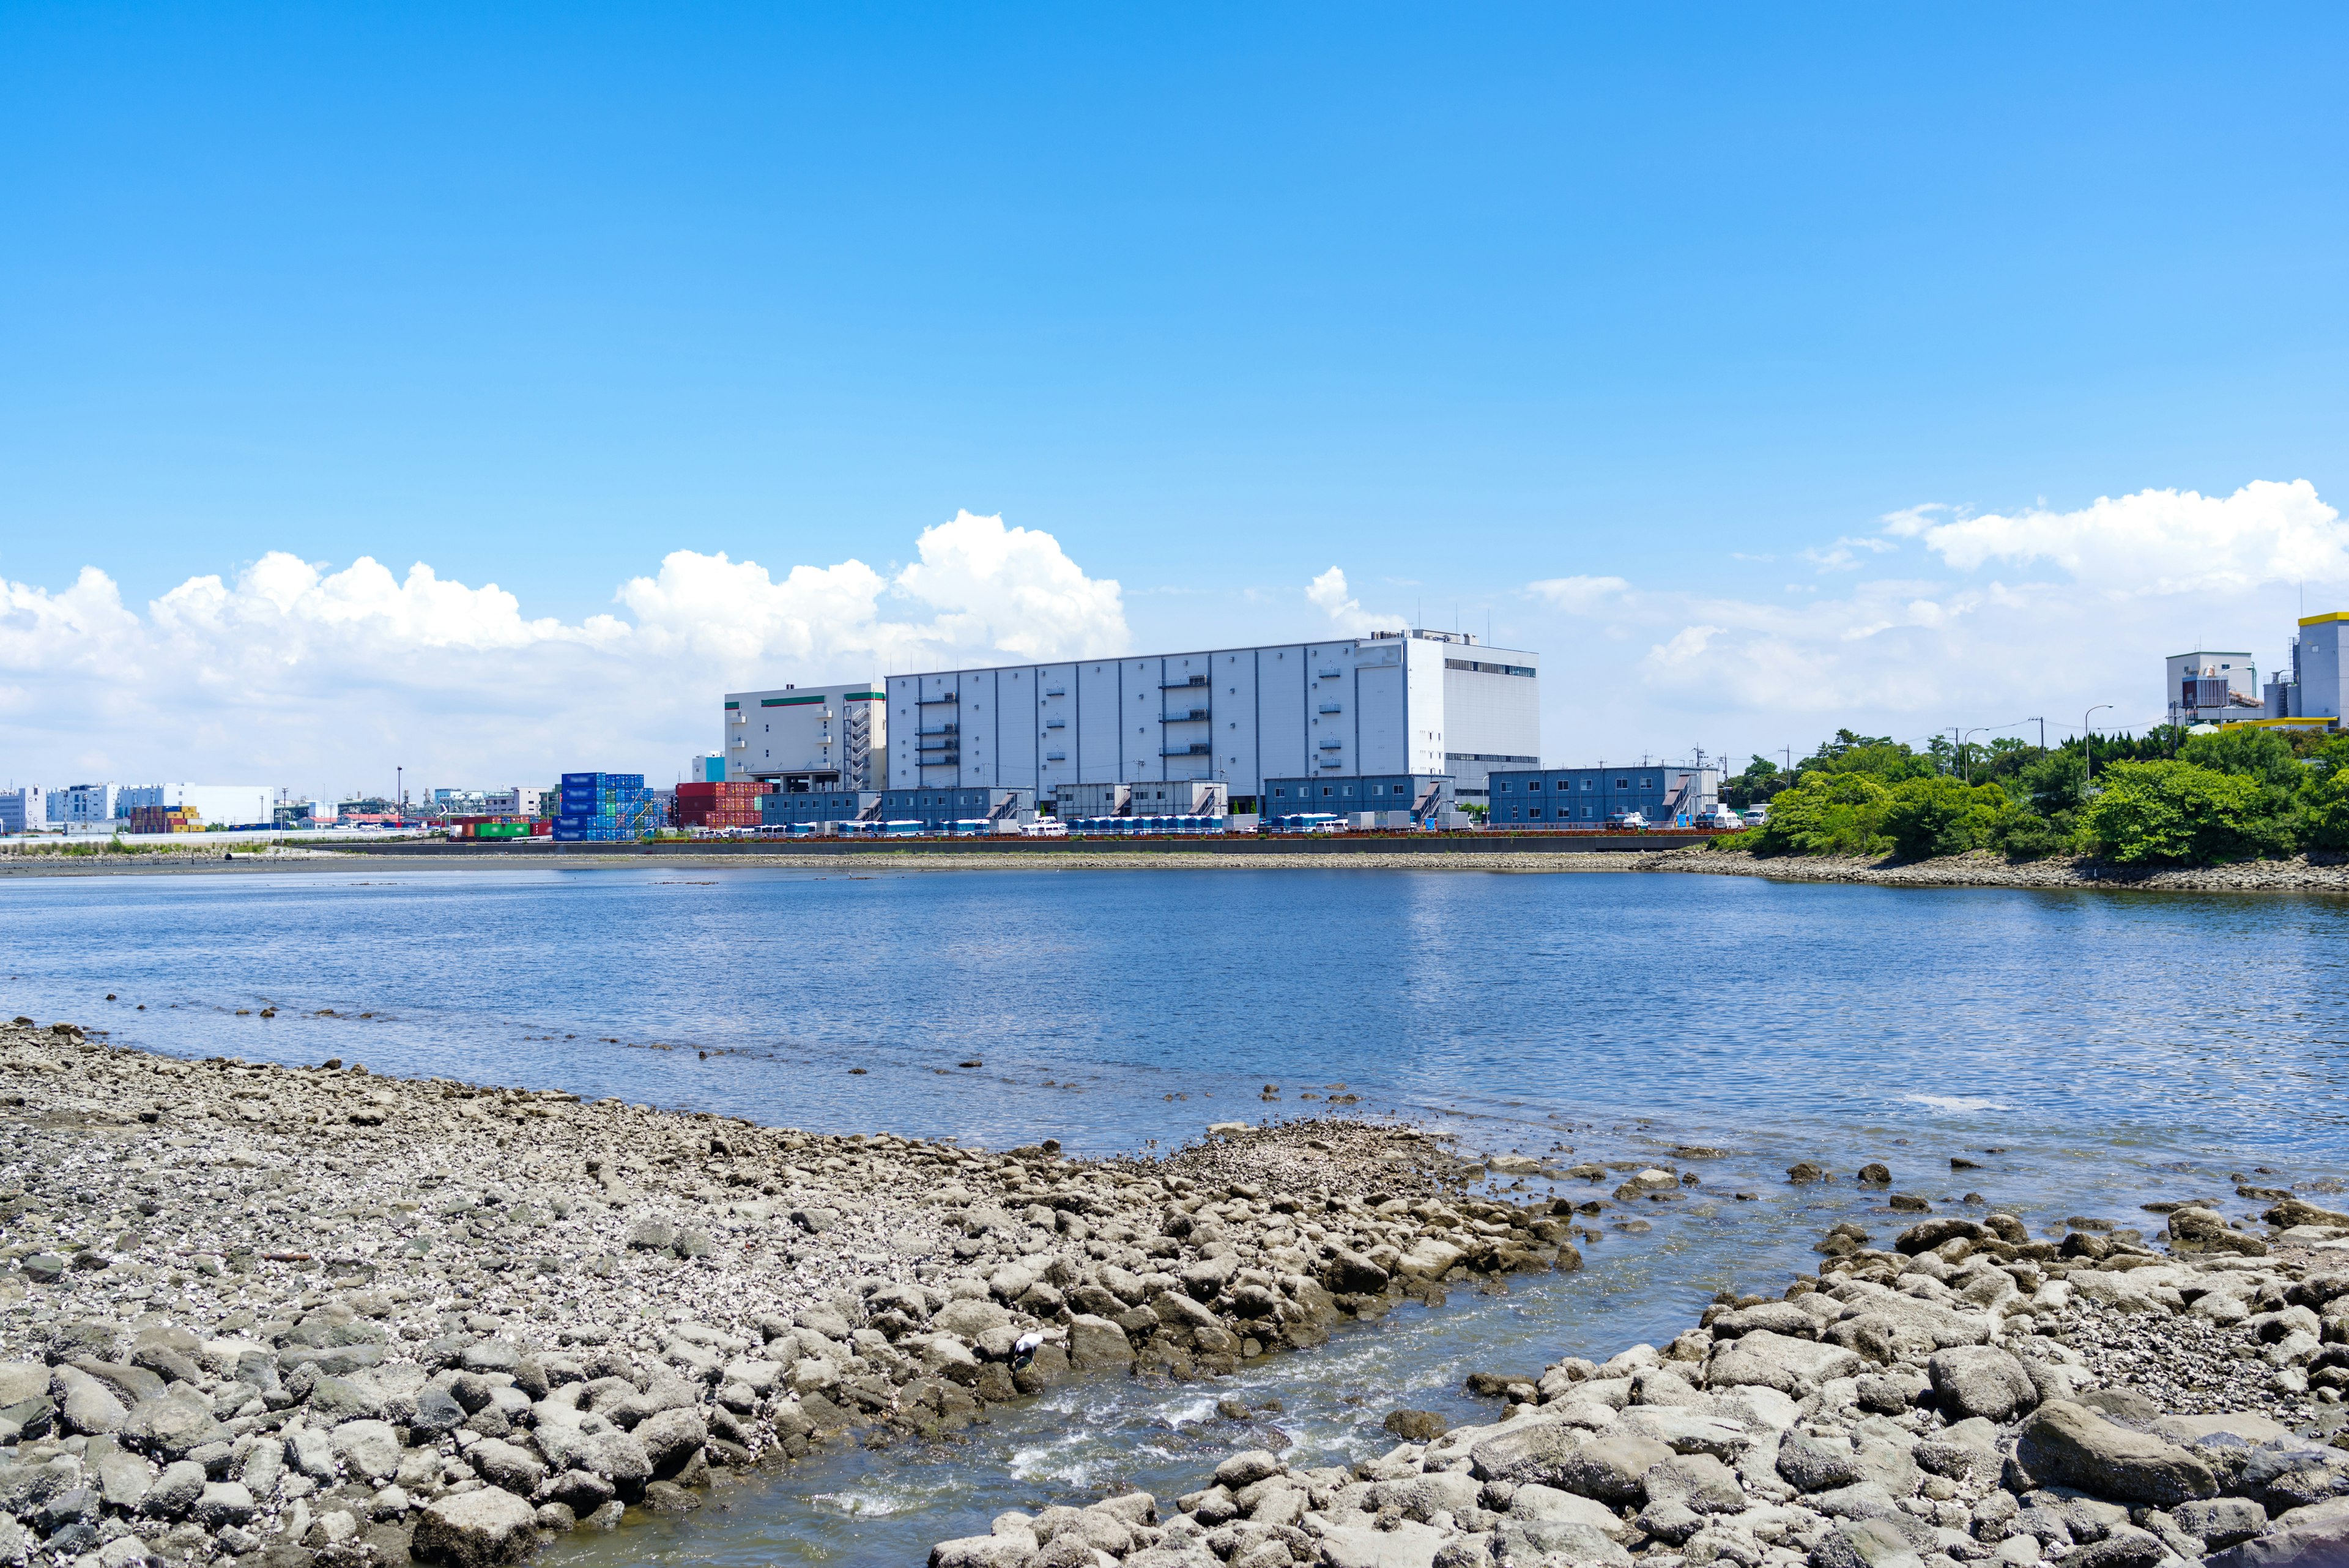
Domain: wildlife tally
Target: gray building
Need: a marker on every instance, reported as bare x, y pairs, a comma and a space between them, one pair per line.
2213, 687
1406, 704
1662, 792
2318, 684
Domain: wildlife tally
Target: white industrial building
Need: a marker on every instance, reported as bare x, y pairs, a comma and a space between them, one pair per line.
24, 810
1408, 703
808, 737
84, 803
2206, 688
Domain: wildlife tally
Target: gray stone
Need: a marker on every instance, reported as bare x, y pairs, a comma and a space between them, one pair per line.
311, 1453
369, 1449
171, 1427
1532, 1452
89, 1406
1096, 1342
2316, 1536
1980, 1381
2221, 1522
581, 1492
476, 1529
1247, 1467
175, 1491
1894, 1541
652, 1234
438, 1414
504, 1464
1816, 1464
222, 1503
2065, 1445
1792, 1366
1609, 1468
671, 1438
1699, 1482
122, 1479
618, 1457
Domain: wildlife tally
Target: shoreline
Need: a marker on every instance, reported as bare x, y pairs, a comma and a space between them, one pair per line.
1969, 1395
1978, 870
317, 1315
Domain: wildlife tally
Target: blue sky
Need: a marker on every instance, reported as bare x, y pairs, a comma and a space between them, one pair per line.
1217, 298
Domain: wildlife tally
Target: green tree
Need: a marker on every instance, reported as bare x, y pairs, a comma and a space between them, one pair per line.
2258, 754
1926, 817
1826, 814
2180, 813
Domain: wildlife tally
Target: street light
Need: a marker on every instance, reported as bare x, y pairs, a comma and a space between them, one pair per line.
2088, 749
1963, 766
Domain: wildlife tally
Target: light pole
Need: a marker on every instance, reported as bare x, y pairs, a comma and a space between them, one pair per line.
1963, 764
2088, 749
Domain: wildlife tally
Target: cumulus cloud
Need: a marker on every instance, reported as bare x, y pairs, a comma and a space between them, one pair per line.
1975, 618
2154, 541
1329, 593
292, 672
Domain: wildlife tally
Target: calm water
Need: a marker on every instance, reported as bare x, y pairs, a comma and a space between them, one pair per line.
2116, 1048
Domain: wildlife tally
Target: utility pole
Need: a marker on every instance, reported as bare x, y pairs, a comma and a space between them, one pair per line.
399, 790
2043, 732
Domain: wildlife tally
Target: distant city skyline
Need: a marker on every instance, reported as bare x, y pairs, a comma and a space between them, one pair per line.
1766, 374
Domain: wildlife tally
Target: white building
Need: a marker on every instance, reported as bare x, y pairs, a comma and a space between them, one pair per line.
24, 810
216, 805
808, 737
85, 803
517, 802
1412, 703
2207, 688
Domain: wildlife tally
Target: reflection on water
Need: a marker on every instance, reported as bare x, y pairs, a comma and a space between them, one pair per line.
2089, 1052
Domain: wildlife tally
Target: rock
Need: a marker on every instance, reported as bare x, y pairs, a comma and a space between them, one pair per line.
438, 1414
1816, 1464
1011, 1550
652, 1234
1416, 1425
1932, 1233
222, 1503
1096, 1342
175, 1491
2193, 1231
2222, 1522
1529, 1452
1792, 1366
1892, 1541
476, 1529
1696, 1481
1609, 1468
1805, 1170
1247, 1467
672, 1437
122, 1479
368, 1448
2065, 1445
1980, 1381
1349, 1273
1409, 1544
503, 1464
2316, 1536
91, 1406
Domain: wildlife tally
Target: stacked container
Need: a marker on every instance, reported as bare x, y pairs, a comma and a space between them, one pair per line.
604, 808
734, 803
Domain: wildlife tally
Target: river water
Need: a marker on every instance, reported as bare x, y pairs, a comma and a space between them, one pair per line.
2089, 1052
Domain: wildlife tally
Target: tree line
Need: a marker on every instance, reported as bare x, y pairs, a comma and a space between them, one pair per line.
2167, 797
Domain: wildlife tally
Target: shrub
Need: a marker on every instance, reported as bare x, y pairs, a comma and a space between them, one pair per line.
1941, 815
1841, 813
2182, 814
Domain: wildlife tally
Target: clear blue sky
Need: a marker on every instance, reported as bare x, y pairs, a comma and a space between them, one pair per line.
533, 293
1219, 296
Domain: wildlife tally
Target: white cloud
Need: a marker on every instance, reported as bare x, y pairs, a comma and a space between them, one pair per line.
1329, 593
1995, 619
2155, 541
290, 672
1578, 596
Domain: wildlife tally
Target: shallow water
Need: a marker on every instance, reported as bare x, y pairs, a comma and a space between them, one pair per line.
2115, 1048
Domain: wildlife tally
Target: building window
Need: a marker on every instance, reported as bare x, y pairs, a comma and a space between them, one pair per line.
1535, 813
1533, 784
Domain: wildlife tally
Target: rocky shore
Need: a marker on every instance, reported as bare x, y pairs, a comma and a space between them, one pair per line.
314, 1316
1969, 1395
1984, 869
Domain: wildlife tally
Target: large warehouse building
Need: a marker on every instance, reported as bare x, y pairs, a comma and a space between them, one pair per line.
1394, 704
